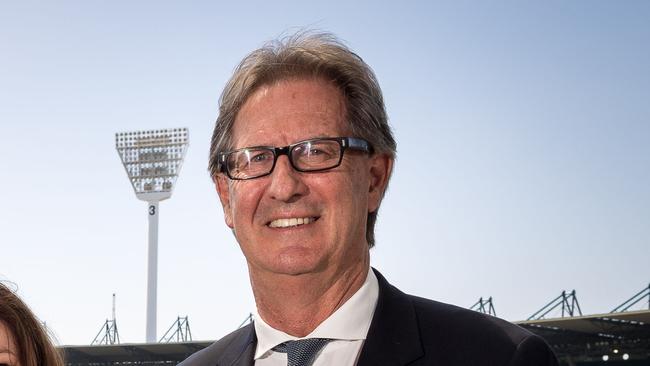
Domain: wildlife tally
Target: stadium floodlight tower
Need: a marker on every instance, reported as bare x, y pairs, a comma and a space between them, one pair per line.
152, 160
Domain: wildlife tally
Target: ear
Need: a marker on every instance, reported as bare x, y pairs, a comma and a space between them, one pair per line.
223, 190
381, 167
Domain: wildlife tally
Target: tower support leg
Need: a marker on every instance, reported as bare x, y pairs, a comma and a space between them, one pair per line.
152, 272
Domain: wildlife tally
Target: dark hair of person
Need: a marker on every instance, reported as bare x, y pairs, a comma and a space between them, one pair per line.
30, 337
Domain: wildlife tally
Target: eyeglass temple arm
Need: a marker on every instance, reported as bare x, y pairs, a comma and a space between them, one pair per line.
357, 144
221, 162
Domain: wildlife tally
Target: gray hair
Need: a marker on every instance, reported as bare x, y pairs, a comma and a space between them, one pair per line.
308, 55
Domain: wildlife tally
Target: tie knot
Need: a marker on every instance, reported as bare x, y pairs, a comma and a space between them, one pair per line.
302, 352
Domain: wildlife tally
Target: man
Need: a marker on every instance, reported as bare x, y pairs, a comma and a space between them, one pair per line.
301, 156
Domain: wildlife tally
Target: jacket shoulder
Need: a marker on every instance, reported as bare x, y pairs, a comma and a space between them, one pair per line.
412, 330
459, 321
482, 337
230, 346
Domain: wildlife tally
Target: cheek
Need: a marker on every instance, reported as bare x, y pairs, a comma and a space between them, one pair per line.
349, 192
243, 202
359, 183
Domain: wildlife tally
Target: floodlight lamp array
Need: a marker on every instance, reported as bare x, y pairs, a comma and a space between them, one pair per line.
152, 160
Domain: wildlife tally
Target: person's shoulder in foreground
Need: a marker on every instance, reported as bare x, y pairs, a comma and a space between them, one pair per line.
420, 331
478, 339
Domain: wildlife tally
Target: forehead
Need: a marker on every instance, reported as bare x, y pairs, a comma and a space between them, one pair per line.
291, 110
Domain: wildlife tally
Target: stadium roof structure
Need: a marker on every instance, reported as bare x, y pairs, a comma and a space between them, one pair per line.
588, 338
131, 354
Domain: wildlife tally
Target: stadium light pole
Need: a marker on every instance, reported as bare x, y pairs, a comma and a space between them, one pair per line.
152, 160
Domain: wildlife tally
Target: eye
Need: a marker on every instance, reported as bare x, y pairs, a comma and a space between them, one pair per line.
311, 151
316, 151
259, 157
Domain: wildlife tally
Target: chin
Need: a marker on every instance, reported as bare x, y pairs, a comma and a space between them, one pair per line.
295, 264
287, 258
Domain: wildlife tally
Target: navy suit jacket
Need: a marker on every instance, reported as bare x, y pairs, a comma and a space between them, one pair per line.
409, 330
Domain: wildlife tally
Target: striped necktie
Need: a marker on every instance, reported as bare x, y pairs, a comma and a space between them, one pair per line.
302, 352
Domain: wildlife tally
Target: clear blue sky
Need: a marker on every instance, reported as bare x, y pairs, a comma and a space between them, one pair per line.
523, 166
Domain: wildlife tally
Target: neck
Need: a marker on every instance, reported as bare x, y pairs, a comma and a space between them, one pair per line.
297, 304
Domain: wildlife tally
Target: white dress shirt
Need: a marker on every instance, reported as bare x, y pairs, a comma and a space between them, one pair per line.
348, 326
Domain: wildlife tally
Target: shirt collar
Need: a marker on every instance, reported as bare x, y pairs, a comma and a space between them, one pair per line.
349, 322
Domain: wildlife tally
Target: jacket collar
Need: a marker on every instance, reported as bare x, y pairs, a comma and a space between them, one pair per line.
394, 336
241, 351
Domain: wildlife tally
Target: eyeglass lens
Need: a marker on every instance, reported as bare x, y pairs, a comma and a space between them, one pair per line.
315, 155
306, 156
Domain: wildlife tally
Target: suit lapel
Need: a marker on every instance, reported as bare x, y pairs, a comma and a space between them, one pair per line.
394, 337
241, 351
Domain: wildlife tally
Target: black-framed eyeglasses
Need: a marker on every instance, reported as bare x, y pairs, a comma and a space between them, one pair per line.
312, 155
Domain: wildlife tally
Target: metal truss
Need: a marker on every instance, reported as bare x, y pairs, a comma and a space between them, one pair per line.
249, 319
634, 300
484, 306
567, 302
107, 334
178, 332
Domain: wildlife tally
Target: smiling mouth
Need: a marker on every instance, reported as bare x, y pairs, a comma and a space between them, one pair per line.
292, 222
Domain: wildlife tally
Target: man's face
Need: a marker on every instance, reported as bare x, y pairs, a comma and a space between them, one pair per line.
333, 205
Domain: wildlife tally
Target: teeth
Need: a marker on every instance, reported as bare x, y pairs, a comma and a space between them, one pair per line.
291, 222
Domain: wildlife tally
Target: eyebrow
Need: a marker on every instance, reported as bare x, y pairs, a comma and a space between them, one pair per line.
317, 136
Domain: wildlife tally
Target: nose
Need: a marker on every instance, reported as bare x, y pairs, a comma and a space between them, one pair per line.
287, 184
